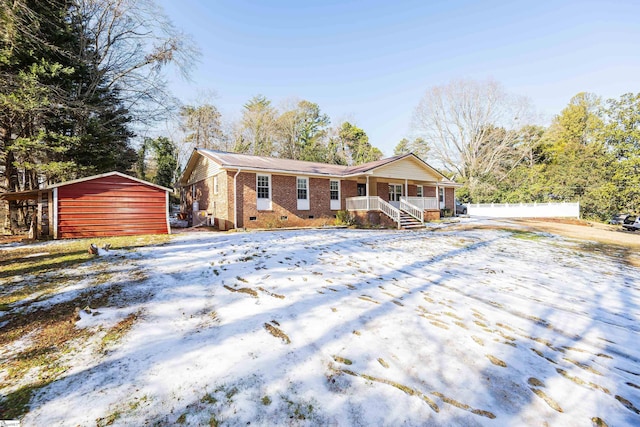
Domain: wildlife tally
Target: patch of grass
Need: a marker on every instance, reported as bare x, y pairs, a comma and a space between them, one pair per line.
15, 404
368, 298
583, 366
535, 382
137, 402
209, 398
299, 410
272, 294
383, 363
619, 252
266, 400
549, 401
109, 419
247, 291
627, 404
119, 330
580, 381
496, 361
599, 422
182, 419
276, 332
41, 258
408, 390
342, 360
51, 332
230, 393
450, 314
526, 235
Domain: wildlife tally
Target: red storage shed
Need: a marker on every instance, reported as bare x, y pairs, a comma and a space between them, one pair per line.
111, 204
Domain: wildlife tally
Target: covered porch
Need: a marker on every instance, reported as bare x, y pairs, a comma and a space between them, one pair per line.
408, 203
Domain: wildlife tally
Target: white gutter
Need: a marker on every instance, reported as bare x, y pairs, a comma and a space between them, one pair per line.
235, 198
166, 213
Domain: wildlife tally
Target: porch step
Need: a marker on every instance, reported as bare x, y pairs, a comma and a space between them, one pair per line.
408, 222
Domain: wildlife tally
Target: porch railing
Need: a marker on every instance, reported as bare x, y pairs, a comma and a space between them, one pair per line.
363, 203
411, 209
389, 210
424, 203
373, 203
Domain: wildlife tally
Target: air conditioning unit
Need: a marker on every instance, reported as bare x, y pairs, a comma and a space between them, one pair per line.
200, 218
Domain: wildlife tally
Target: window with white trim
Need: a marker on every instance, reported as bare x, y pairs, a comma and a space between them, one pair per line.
263, 192
334, 195
215, 185
419, 191
334, 190
395, 192
263, 187
303, 191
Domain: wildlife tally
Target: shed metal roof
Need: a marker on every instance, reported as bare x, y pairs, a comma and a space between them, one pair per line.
31, 194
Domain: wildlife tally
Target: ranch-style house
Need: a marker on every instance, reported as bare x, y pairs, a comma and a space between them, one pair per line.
231, 190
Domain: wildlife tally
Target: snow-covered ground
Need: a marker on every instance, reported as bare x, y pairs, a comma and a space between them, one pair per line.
358, 327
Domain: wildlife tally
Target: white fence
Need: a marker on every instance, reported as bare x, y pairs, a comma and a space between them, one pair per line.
525, 210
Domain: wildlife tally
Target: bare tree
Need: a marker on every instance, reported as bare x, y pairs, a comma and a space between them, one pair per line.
128, 43
472, 127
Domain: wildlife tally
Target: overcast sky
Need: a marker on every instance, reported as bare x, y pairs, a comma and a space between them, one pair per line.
371, 61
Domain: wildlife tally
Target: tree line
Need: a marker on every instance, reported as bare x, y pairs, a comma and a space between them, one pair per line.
298, 130
487, 139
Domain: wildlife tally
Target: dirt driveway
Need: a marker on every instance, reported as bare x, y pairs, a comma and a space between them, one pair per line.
601, 233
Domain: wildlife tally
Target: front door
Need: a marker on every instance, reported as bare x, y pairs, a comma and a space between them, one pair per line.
395, 192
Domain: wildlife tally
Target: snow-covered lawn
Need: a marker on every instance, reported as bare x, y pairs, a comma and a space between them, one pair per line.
464, 326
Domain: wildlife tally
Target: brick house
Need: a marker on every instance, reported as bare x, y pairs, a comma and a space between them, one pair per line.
231, 190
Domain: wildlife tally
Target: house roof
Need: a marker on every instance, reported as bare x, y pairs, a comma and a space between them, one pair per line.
272, 164
30, 194
237, 160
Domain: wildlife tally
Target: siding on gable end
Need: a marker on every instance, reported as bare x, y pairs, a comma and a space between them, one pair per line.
406, 169
203, 169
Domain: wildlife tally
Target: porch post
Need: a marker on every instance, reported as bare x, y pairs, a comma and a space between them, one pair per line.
367, 192
406, 188
38, 230
437, 196
55, 213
